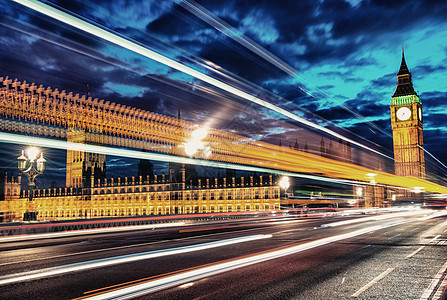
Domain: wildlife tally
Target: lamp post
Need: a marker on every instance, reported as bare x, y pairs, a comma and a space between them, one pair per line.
359, 193
284, 183
32, 168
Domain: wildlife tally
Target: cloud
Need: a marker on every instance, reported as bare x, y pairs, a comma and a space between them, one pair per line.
384, 81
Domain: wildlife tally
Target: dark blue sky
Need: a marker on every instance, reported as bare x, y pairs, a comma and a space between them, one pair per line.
339, 61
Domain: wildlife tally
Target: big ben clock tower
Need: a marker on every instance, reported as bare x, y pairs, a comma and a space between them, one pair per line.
406, 122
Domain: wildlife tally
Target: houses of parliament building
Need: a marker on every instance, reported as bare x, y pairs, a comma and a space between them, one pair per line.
90, 194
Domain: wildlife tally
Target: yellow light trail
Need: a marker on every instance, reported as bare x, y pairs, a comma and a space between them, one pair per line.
63, 145
348, 174
140, 49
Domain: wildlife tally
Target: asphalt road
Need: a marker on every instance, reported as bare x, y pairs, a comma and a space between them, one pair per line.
398, 255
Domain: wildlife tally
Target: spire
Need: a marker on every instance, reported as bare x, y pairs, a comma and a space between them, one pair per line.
403, 65
404, 84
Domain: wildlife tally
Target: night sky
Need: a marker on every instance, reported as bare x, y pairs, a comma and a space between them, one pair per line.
331, 62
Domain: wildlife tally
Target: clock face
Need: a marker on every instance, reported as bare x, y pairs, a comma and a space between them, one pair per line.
420, 114
403, 113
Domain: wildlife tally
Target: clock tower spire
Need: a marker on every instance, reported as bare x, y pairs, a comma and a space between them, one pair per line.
404, 83
406, 122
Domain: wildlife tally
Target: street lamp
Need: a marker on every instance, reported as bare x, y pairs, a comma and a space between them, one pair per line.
32, 168
359, 194
284, 183
359, 191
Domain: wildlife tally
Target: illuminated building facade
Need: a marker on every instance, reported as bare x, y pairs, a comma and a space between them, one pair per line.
138, 196
407, 125
88, 193
11, 206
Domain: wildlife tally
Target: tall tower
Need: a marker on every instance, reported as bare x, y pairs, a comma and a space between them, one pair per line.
82, 165
406, 122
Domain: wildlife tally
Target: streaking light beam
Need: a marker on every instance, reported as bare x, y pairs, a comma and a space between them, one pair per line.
382, 217
140, 49
185, 277
99, 263
63, 145
86, 232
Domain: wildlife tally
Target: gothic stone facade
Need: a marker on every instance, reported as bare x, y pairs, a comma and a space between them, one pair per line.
130, 196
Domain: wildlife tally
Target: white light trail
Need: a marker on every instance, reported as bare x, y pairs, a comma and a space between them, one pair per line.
378, 218
435, 215
426, 151
182, 278
204, 14
140, 49
99, 263
87, 231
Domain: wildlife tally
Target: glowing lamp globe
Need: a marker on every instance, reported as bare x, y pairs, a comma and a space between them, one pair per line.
32, 153
41, 163
21, 162
284, 183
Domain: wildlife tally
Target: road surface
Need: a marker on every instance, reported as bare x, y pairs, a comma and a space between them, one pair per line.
380, 255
